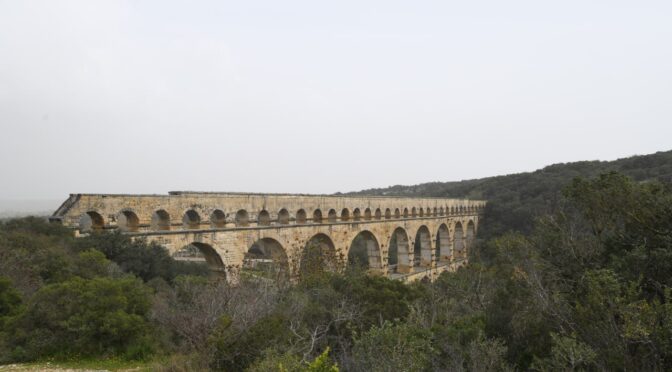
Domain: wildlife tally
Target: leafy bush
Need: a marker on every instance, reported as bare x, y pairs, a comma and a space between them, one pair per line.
85, 317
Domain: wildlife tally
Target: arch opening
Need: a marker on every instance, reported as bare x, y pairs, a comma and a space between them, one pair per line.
471, 234
317, 216
318, 256
345, 214
405, 212
266, 259
459, 241
414, 212
202, 253
422, 248
332, 216
218, 219
398, 254
128, 221
388, 214
397, 213
365, 253
242, 218
160, 220
356, 214
191, 219
367, 214
443, 249
263, 219
378, 214
91, 221
283, 217
301, 216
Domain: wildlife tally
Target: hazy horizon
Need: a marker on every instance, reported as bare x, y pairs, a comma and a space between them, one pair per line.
28, 206
305, 97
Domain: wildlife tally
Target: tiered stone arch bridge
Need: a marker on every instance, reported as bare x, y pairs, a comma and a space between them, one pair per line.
399, 237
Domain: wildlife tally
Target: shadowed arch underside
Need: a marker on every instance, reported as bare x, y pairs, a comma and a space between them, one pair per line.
318, 256
399, 259
365, 252
266, 259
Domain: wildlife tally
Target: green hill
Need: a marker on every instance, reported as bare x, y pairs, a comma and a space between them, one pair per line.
516, 199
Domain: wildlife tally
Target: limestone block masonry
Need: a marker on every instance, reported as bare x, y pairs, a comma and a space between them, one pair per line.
406, 238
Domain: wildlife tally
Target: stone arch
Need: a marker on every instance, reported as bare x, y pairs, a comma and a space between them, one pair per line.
421, 212
205, 252
365, 252
405, 212
191, 219
283, 217
242, 218
357, 214
458, 245
388, 213
399, 259
318, 255
422, 248
91, 221
397, 213
218, 219
378, 214
443, 249
471, 233
317, 216
267, 259
160, 220
332, 216
435, 211
128, 221
414, 212
345, 214
263, 218
367, 214
441, 212
301, 216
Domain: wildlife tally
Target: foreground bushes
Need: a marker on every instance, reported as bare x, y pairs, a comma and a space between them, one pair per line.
85, 318
588, 289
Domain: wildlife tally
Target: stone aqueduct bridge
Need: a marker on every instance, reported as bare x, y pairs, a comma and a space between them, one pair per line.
405, 238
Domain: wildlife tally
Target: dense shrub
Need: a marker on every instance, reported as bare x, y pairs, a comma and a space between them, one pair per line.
85, 317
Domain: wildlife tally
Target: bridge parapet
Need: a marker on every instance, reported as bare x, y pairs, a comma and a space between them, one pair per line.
199, 211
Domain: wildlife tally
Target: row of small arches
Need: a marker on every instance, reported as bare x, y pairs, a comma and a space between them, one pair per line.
128, 220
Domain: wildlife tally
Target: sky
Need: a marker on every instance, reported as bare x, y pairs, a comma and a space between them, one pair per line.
319, 97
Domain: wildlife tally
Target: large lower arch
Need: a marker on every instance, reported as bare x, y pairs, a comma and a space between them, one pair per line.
399, 255
266, 259
197, 251
460, 251
422, 250
318, 256
443, 248
471, 233
91, 221
365, 252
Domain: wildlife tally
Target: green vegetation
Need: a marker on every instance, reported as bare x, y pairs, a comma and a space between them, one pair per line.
586, 286
515, 200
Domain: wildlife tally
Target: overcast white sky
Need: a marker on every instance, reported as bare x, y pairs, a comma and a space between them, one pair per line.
319, 97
